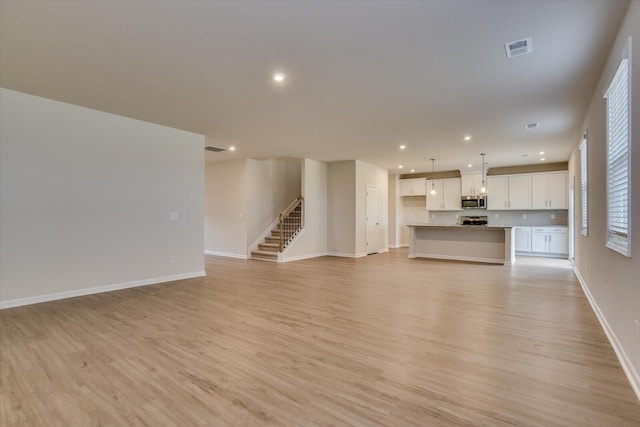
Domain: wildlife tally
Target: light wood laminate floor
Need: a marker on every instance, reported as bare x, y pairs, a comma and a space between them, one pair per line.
382, 340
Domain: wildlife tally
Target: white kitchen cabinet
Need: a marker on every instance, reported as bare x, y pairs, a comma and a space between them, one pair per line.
523, 239
551, 240
448, 197
549, 190
509, 192
412, 187
471, 184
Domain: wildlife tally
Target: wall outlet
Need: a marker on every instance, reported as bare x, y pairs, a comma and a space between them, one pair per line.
172, 259
586, 267
553, 216
496, 216
524, 216
637, 322
173, 215
433, 216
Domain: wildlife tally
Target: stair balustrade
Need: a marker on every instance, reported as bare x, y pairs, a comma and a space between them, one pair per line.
290, 222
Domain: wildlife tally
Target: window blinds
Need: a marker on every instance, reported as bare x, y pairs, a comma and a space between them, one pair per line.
583, 185
618, 154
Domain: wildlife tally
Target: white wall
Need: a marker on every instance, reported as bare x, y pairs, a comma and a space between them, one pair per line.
86, 199
313, 240
395, 211
272, 185
368, 174
612, 279
341, 208
243, 198
226, 195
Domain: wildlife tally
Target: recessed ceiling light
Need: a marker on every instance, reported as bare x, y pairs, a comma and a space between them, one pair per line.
402, 147
232, 148
532, 125
279, 77
542, 159
467, 138
469, 165
413, 170
541, 153
400, 166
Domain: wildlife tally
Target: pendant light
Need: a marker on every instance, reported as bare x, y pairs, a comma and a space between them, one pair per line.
483, 187
433, 191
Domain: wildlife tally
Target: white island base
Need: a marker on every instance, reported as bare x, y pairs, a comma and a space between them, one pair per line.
490, 244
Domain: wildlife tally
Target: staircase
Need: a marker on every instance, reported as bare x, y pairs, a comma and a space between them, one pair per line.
288, 227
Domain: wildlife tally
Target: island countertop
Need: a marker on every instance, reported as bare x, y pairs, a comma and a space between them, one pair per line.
471, 227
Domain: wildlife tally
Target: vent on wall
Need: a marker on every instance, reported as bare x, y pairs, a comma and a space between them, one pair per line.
518, 47
214, 149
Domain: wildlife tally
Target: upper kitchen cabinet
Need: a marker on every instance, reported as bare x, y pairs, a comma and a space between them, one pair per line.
412, 187
448, 196
509, 192
549, 190
471, 184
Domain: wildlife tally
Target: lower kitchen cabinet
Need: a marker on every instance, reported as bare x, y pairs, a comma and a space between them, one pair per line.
523, 239
549, 240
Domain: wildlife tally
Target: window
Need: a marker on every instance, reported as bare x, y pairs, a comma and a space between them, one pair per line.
583, 185
618, 159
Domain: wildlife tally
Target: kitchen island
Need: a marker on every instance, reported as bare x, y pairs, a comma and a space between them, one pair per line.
482, 243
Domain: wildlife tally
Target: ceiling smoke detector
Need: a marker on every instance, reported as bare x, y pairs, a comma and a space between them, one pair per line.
532, 125
214, 149
518, 47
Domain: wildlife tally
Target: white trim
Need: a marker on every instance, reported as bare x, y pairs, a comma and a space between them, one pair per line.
627, 366
461, 258
343, 255
97, 290
396, 246
307, 256
226, 254
383, 250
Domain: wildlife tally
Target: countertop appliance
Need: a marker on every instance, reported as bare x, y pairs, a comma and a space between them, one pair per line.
473, 202
474, 220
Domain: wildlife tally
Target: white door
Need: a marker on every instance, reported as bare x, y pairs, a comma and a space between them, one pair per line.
372, 219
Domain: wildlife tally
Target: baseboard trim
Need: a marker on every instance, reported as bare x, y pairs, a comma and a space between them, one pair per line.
383, 250
18, 302
627, 366
343, 255
307, 256
459, 258
226, 254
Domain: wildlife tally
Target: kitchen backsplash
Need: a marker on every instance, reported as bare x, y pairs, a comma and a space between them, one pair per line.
415, 213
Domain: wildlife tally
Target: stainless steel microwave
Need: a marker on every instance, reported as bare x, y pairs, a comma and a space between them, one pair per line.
474, 202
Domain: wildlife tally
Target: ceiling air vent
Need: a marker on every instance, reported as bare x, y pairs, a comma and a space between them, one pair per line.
214, 149
518, 47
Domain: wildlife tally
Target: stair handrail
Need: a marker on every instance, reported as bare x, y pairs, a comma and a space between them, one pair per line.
284, 215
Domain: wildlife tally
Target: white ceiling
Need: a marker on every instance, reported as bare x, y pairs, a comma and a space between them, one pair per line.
363, 77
